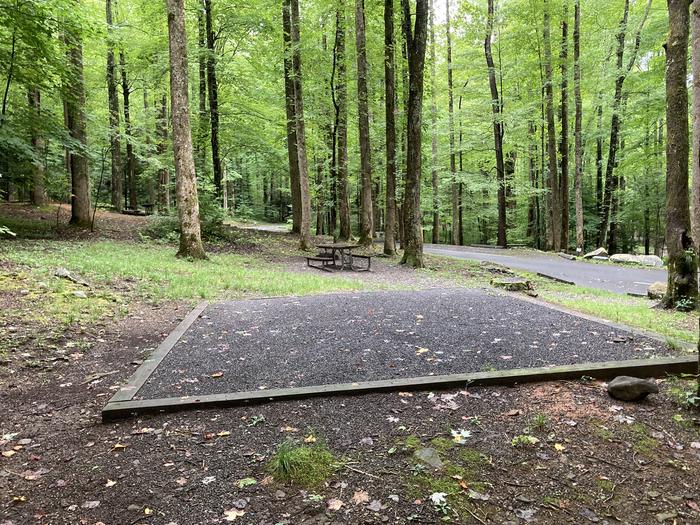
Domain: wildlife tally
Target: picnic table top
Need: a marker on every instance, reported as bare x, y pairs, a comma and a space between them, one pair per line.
338, 246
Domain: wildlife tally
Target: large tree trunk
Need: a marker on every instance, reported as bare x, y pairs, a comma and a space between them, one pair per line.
416, 44
578, 139
305, 197
450, 109
291, 119
187, 202
599, 171
203, 120
390, 95
213, 92
496, 108
38, 193
611, 182
76, 123
162, 147
554, 215
366, 218
682, 261
341, 118
434, 124
695, 202
117, 185
130, 158
564, 118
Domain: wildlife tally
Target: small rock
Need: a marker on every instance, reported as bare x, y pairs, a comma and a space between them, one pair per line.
644, 260
280, 494
657, 290
600, 252
90, 505
134, 507
665, 516
627, 388
600, 258
512, 284
80, 295
428, 456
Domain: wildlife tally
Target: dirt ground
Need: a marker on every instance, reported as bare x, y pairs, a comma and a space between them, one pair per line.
542, 453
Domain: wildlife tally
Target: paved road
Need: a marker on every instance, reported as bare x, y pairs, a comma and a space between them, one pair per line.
620, 279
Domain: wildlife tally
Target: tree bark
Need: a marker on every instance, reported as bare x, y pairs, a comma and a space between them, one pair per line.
213, 92
578, 139
390, 105
450, 109
291, 119
695, 203
366, 218
161, 148
203, 118
187, 202
76, 123
496, 108
416, 43
554, 215
117, 185
341, 117
599, 171
564, 118
305, 197
434, 124
682, 261
38, 193
130, 159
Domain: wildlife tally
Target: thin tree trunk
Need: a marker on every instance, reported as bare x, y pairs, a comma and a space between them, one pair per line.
416, 44
682, 261
38, 194
578, 139
450, 110
599, 171
341, 115
434, 124
564, 139
203, 117
130, 159
496, 107
611, 182
533, 205
291, 119
117, 185
390, 95
554, 230
161, 148
366, 218
213, 92
187, 202
695, 203
305, 202
76, 122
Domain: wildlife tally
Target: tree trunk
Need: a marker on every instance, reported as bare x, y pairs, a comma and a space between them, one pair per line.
554, 229
496, 108
38, 194
682, 261
434, 125
416, 44
305, 202
695, 203
599, 172
578, 139
117, 185
341, 116
450, 110
203, 118
76, 123
161, 148
610, 181
533, 220
390, 95
187, 202
130, 159
363, 118
564, 139
291, 119
213, 92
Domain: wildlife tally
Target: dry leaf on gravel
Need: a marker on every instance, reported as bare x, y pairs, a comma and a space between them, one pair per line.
360, 497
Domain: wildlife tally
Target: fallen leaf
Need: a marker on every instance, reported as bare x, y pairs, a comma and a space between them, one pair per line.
181, 481
216, 375
559, 447
233, 514
289, 429
695, 444
360, 497
110, 483
266, 480
334, 504
119, 446
8, 453
148, 511
515, 412
375, 506
422, 351
208, 480
693, 505
245, 482
310, 439
224, 433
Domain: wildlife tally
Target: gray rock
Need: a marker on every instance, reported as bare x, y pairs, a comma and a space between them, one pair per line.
600, 252
429, 456
65, 274
80, 295
657, 290
627, 388
644, 260
665, 516
567, 256
512, 284
600, 258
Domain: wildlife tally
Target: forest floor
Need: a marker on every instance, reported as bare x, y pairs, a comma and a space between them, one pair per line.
559, 452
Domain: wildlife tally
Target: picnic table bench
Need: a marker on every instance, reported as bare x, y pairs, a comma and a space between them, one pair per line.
341, 252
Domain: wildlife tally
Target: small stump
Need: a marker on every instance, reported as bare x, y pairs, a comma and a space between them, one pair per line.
512, 284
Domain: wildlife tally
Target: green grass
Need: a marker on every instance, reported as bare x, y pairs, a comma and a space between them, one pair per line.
305, 465
27, 228
159, 275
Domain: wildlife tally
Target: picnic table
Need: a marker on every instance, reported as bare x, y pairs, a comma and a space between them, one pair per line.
341, 251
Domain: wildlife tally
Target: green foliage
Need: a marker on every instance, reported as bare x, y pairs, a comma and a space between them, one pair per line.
305, 465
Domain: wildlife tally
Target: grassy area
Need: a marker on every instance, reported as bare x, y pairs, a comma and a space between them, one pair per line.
159, 275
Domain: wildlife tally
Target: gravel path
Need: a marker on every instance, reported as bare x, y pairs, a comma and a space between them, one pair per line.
289, 342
